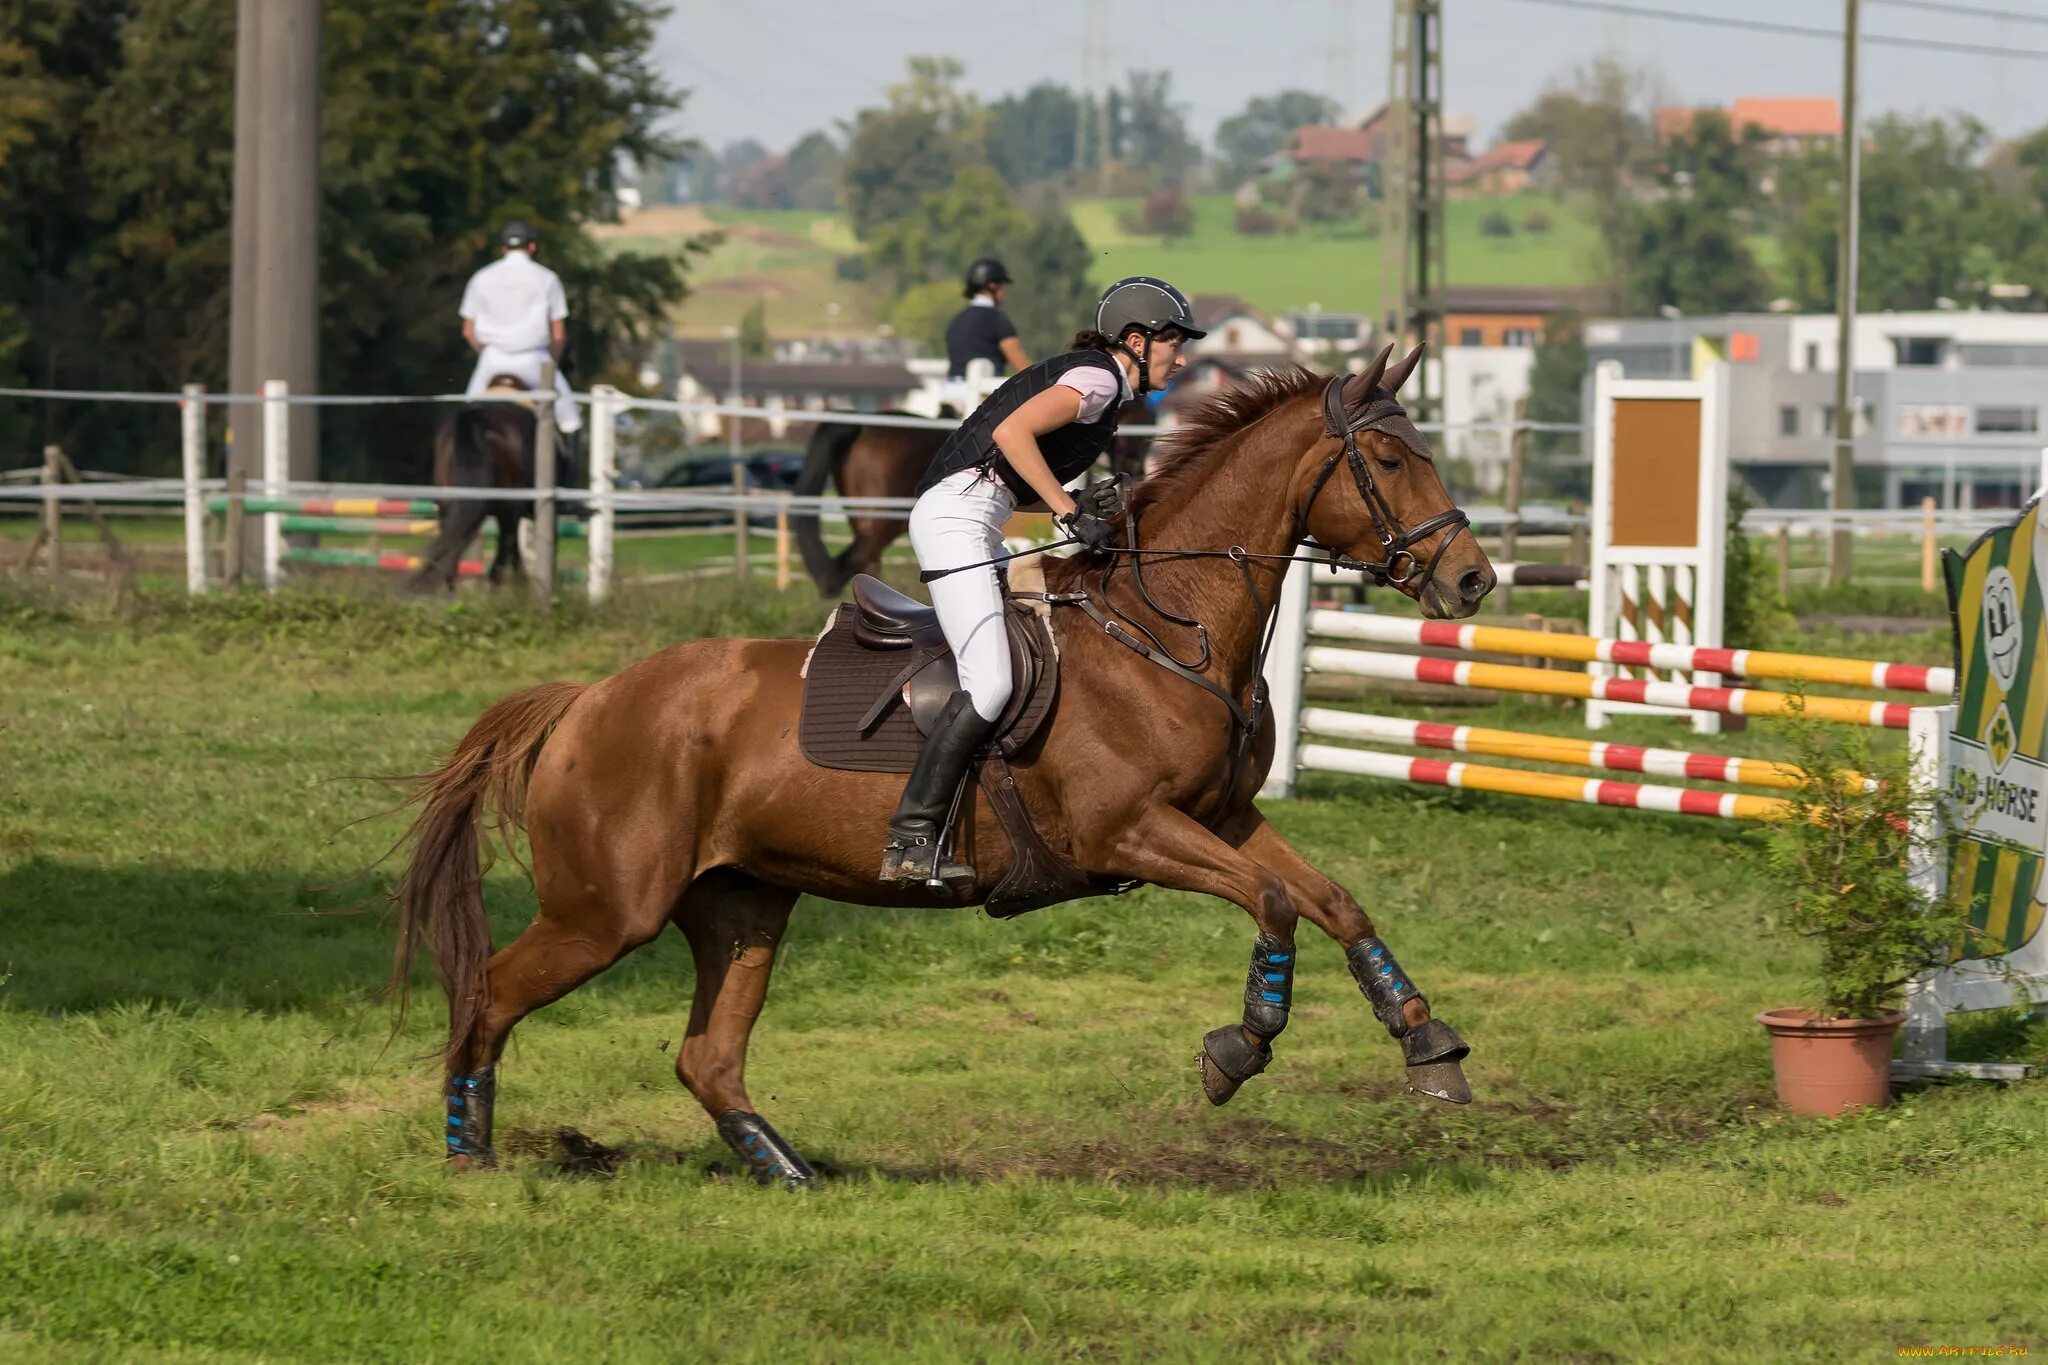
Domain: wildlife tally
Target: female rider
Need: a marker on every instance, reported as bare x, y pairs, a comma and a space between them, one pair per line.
1045, 425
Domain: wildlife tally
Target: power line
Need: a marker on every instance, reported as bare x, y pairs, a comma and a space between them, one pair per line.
1966, 11
1795, 30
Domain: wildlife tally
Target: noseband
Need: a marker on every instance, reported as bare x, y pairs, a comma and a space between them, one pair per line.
1385, 415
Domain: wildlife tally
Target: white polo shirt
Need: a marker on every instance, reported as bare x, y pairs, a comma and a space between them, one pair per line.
513, 301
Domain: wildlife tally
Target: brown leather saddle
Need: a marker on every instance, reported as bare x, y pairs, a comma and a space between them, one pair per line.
882, 672
873, 687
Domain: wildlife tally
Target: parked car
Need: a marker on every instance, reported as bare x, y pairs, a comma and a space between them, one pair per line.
766, 471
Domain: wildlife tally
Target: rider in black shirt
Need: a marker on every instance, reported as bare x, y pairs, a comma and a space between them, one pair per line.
981, 330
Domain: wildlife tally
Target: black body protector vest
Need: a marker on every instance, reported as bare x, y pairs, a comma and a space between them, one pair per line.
1068, 450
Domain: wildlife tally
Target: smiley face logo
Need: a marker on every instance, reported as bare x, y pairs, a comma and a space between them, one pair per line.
2002, 626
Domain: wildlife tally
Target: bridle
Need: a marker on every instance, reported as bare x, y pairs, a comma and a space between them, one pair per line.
1398, 569
1385, 415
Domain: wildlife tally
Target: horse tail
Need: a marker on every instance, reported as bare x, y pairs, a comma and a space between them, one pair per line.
440, 899
830, 443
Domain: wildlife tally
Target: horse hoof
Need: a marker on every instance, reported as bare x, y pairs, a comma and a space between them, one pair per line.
462, 1162
1227, 1062
1440, 1081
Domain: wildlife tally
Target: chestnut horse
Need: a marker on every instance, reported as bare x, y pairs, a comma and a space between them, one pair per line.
674, 791
888, 462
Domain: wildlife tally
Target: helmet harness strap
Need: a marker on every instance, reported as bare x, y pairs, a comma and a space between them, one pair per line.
1143, 361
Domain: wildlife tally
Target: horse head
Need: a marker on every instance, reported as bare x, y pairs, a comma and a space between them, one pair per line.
1374, 495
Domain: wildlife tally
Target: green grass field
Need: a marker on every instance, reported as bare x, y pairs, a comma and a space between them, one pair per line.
787, 257
208, 1152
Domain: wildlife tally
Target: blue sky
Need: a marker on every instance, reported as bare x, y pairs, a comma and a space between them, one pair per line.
774, 69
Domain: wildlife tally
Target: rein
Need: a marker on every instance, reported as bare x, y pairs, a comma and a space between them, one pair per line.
1398, 569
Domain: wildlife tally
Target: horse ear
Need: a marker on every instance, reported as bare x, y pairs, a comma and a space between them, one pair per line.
1360, 386
1399, 374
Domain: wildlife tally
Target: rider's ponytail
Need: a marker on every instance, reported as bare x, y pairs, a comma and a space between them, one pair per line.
1089, 339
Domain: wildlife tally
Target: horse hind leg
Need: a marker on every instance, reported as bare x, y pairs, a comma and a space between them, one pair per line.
568, 943
733, 924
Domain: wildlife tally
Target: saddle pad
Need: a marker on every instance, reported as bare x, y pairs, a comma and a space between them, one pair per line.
843, 679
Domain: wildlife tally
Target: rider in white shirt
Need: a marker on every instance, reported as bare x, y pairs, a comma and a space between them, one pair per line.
512, 316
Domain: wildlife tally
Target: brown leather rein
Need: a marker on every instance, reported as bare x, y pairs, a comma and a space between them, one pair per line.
1382, 414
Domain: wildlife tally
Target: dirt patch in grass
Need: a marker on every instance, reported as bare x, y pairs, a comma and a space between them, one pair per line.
763, 286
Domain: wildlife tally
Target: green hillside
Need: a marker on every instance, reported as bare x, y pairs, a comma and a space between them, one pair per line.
788, 258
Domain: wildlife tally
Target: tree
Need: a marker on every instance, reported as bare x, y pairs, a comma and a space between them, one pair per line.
1598, 126
1688, 249
921, 258
972, 217
114, 213
1262, 128
913, 146
1327, 192
1053, 297
755, 343
1496, 224
1165, 214
1156, 129
1557, 376
1031, 137
814, 166
762, 184
1933, 223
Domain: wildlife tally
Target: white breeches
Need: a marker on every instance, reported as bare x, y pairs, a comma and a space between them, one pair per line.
960, 521
525, 367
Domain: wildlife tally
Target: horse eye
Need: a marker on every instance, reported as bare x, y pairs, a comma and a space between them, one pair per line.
1391, 466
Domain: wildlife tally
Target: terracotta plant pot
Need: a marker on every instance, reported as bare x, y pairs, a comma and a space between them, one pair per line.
1827, 1067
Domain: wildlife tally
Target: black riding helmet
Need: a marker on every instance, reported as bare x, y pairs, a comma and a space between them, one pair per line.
518, 233
985, 272
1151, 306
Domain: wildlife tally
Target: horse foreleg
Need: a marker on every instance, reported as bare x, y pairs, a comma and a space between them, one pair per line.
1168, 848
1431, 1049
733, 924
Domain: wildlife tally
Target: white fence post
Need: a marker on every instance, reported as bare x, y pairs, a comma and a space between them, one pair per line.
603, 479
192, 424
1924, 1038
1283, 678
277, 428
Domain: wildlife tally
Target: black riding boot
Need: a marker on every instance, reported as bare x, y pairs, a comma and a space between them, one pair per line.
914, 831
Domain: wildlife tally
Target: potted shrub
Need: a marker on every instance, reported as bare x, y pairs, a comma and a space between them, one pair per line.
1846, 861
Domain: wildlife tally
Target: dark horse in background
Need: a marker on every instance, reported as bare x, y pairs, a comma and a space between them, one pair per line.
483, 445
887, 462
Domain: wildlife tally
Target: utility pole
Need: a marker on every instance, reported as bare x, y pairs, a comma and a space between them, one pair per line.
1412, 194
1842, 492
274, 313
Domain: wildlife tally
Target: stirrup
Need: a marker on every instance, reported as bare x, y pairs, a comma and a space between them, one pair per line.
913, 859
910, 854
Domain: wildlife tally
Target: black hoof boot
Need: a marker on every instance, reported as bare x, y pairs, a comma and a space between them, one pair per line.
1433, 1051
1228, 1061
770, 1160
471, 1100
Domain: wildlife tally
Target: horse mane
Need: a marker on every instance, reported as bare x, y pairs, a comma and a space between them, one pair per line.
1185, 453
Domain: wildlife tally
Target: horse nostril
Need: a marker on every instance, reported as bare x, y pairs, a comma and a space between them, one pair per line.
1474, 584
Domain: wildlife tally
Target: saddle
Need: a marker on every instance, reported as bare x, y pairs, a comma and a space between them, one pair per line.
882, 671
874, 685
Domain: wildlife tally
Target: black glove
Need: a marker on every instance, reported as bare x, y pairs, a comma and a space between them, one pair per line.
1092, 531
1103, 499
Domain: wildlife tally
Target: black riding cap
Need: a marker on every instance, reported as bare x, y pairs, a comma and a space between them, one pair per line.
518, 232
985, 272
1151, 305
